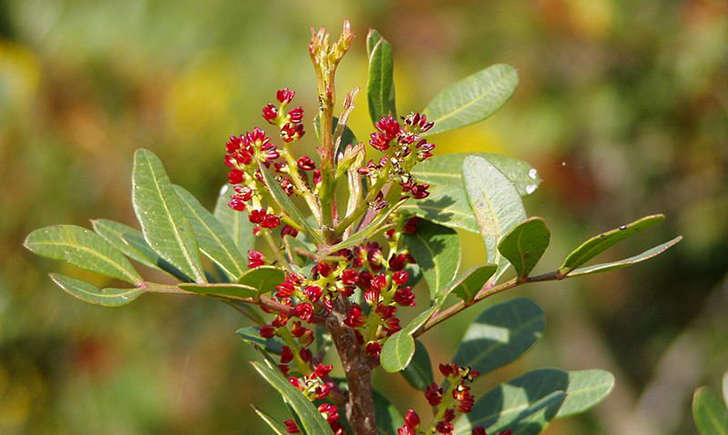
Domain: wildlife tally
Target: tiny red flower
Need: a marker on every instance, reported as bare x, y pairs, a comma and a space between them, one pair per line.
373, 349
257, 216
479, 431
303, 311
412, 418
267, 331
433, 394
286, 355
255, 259
400, 277
405, 297
355, 318
306, 163
236, 203
270, 113
285, 95
270, 221
289, 231
291, 426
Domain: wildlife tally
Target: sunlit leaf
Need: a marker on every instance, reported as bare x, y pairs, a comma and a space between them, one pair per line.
222, 289
311, 420
448, 203
83, 248
502, 407
276, 427
399, 348
601, 242
500, 334
496, 205
436, 250
472, 281
108, 297
524, 245
380, 85
472, 99
160, 213
236, 223
709, 413
263, 278
646, 255
212, 237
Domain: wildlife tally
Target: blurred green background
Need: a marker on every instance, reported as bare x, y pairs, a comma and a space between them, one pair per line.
622, 107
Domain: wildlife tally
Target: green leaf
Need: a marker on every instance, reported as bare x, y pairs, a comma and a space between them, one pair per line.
264, 278
380, 85
287, 206
108, 297
251, 335
524, 245
601, 242
399, 348
397, 351
222, 289
164, 224
472, 99
508, 409
467, 286
448, 203
375, 227
500, 334
278, 428
212, 237
496, 205
437, 251
646, 255
725, 388
709, 413
584, 389
311, 419
418, 372
236, 223
502, 407
386, 416
82, 248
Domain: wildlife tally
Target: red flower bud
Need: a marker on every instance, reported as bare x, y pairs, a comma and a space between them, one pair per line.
285, 95
255, 258
400, 277
270, 112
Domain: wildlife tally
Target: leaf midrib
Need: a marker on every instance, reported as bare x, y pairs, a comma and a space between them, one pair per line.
175, 229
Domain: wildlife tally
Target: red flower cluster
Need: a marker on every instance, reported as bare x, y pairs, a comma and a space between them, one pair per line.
456, 399
290, 124
403, 148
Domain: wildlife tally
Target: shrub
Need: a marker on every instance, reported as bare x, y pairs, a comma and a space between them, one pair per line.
325, 251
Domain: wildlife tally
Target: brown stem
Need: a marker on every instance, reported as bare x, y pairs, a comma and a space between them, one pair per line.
360, 406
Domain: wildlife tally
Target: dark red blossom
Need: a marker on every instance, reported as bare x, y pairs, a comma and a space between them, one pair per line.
373, 349
289, 231
285, 95
404, 297
270, 221
286, 355
306, 163
270, 113
267, 331
255, 259
433, 394
355, 318
291, 426
400, 277
296, 115
303, 311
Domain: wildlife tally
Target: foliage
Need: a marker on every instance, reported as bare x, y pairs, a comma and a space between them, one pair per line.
336, 241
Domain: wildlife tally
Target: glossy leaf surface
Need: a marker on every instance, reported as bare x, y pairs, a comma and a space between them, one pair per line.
496, 205
160, 213
212, 238
472, 281
108, 297
472, 99
83, 248
448, 202
436, 250
524, 245
380, 85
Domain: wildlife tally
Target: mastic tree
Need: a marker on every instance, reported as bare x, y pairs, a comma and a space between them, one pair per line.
321, 254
